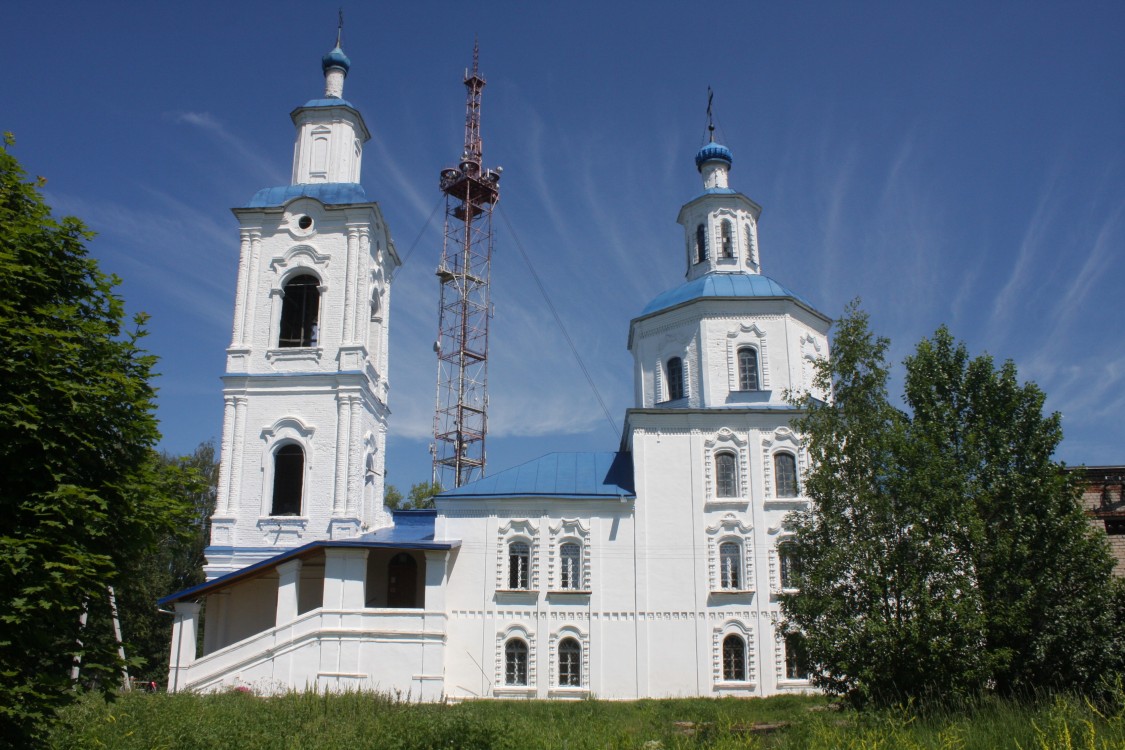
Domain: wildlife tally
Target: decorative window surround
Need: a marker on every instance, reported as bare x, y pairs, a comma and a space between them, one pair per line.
726, 440
719, 634
779, 659
583, 638
572, 531
782, 440
730, 529
752, 336
285, 430
775, 563
500, 686
517, 531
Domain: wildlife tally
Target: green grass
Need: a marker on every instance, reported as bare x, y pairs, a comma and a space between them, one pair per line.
305, 720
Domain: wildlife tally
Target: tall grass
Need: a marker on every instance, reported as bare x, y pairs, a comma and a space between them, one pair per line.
358, 720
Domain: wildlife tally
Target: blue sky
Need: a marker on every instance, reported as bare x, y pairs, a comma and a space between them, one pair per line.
959, 163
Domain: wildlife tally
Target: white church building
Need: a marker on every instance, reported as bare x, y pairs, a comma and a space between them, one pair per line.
651, 571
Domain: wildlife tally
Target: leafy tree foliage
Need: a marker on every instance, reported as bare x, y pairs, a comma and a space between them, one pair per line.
174, 564
82, 492
944, 552
421, 496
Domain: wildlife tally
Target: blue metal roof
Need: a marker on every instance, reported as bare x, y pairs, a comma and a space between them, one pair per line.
721, 285
329, 101
328, 193
413, 529
558, 475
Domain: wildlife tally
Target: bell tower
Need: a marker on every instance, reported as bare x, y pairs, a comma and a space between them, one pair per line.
305, 388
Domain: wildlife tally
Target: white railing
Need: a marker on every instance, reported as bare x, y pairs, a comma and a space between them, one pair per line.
294, 648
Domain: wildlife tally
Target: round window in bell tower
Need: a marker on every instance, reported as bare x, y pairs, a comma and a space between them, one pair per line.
305, 222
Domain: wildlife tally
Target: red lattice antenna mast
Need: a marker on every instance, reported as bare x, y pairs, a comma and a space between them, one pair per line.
461, 410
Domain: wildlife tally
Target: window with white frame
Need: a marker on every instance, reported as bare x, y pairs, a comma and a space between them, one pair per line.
785, 474
747, 368
726, 236
570, 566
730, 561
515, 662
700, 243
570, 663
730, 566
519, 566
734, 658
726, 474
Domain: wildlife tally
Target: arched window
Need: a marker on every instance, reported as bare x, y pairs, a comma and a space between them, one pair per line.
727, 232
734, 658
288, 480
700, 243
785, 470
300, 307
675, 379
748, 369
796, 657
515, 662
726, 474
788, 565
570, 663
570, 566
519, 566
730, 565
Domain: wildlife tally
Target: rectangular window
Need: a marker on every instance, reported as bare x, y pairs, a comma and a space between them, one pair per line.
519, 564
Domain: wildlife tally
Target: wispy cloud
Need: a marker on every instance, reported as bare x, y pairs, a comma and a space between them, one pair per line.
249, 154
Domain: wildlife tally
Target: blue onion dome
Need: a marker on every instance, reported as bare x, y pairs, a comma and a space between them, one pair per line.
711, 152
336, 59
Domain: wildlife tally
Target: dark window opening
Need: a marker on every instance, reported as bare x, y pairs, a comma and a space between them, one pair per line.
796, 657
785, 467
402, 581
300, 308
304, 222
727, 239
288, 478
1115, 526
700, 244
570, 663
675, 379
734, 659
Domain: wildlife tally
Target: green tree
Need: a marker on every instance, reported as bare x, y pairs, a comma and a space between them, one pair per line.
174, 564
421, 496
943, 551
82, 493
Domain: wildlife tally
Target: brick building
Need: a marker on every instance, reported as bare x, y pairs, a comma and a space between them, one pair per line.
1103, 497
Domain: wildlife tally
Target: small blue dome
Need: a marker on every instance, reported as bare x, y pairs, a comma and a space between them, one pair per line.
336, 59
713, 151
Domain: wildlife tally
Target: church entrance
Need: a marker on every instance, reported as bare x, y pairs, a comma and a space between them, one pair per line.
402, 581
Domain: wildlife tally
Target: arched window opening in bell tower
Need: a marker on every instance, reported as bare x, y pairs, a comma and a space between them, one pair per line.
300, 309
728, 239
675, 379
700, 244
288, 480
